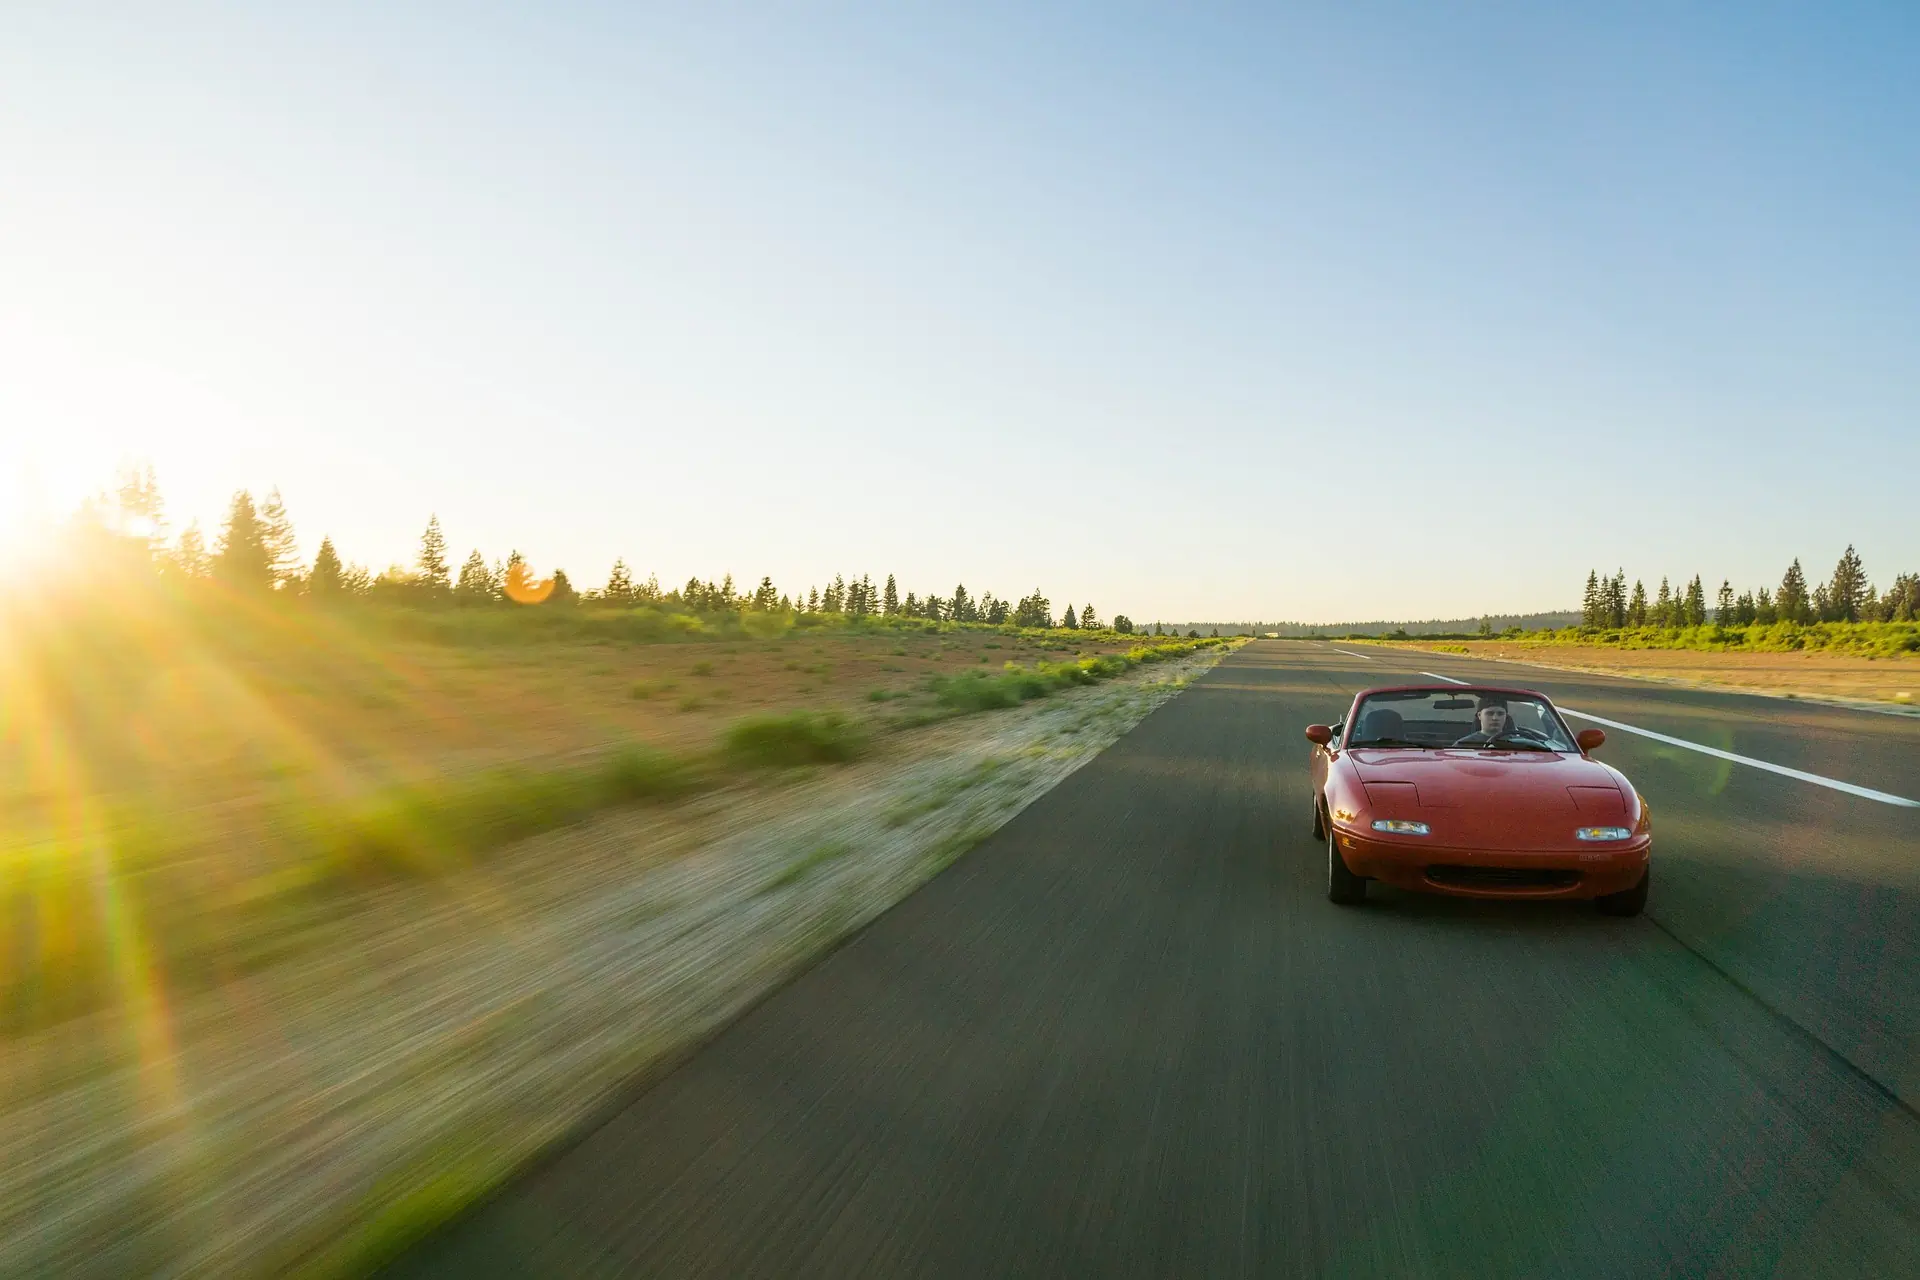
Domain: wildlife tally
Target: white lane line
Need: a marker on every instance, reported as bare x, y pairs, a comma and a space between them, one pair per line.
1865, 792
1363, 657
1435, 675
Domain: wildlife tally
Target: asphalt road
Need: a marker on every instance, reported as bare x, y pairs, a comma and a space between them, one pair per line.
1129, 1036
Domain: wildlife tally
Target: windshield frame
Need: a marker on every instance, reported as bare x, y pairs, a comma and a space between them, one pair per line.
1360, 701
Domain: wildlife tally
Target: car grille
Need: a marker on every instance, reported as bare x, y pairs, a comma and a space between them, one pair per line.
1503, 877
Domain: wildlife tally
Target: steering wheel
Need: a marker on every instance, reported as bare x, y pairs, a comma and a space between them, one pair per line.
1479, 739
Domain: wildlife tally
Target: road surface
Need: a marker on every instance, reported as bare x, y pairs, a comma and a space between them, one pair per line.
1128, 1035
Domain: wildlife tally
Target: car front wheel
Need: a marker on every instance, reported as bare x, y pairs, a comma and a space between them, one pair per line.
1627, 902
1343, 886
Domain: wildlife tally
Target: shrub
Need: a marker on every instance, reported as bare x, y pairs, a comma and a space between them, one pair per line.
703, 668
766, 626
640, 773
424, 828
801, 737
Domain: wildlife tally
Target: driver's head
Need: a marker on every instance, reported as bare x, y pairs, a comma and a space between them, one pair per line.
1492, 714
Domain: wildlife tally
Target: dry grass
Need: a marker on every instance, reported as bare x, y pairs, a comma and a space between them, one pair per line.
344, 1096
1892, 682
229, 782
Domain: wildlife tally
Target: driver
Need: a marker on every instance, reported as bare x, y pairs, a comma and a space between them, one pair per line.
1493, 721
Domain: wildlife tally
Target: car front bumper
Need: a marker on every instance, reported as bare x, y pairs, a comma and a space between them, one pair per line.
1412, 862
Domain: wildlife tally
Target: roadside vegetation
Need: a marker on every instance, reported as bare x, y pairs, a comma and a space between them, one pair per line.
1845, 615
208, 755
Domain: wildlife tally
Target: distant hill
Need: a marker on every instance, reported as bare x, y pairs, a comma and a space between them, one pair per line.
1497, 622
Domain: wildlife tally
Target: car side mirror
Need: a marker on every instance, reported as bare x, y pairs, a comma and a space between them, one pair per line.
1318, 734
1590, 739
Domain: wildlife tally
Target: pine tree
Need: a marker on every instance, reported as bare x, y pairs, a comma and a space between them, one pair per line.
563, 592
242, 561
890, 598
1792, 602
1763, 608
433, 557
911, 605
1696, 603
933, 608
1123, 624
324, 581
1070, 622
619, 583
1592, 604
813, 600
517, 584
1616, 598
1637, 606
142, 514
1847, 590
1663, 605
1903, 599
1033, 611
475, 584
1723, 615
189, 558
276, 531
1087, 621
961, 607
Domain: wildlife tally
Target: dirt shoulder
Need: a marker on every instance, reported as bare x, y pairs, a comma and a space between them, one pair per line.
316, 1113
1880, 684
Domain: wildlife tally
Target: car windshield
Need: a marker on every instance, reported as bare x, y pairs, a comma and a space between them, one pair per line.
1475, 719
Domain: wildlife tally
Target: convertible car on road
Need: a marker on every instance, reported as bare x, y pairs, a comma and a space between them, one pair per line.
1477, 792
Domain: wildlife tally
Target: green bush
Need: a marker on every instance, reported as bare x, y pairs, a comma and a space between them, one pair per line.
978, 691
800, 737
424, 828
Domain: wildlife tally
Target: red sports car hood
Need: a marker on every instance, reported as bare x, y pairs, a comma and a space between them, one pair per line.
1494, 800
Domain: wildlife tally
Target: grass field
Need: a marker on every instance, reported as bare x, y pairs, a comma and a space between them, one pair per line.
1890, 680
185, 793
317, 925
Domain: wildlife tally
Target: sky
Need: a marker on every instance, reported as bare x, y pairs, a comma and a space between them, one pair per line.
1193, 312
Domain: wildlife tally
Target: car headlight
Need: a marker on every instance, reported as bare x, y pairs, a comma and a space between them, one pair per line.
1603, 833
1400, 827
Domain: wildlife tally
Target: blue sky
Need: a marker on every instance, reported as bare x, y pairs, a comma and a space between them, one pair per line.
1329, 312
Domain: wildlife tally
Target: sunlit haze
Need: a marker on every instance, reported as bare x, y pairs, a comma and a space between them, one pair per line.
1406, 313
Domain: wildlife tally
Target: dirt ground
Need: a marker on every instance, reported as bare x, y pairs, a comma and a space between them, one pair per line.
1891, 684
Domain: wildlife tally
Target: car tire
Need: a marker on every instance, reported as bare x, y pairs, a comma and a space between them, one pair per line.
1319, 827
1343, 886
1627, 902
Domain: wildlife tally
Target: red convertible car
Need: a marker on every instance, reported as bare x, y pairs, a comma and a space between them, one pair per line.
1478, 792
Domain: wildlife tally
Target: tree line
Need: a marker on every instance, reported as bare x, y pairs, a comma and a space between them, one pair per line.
256, 552
1847, 596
